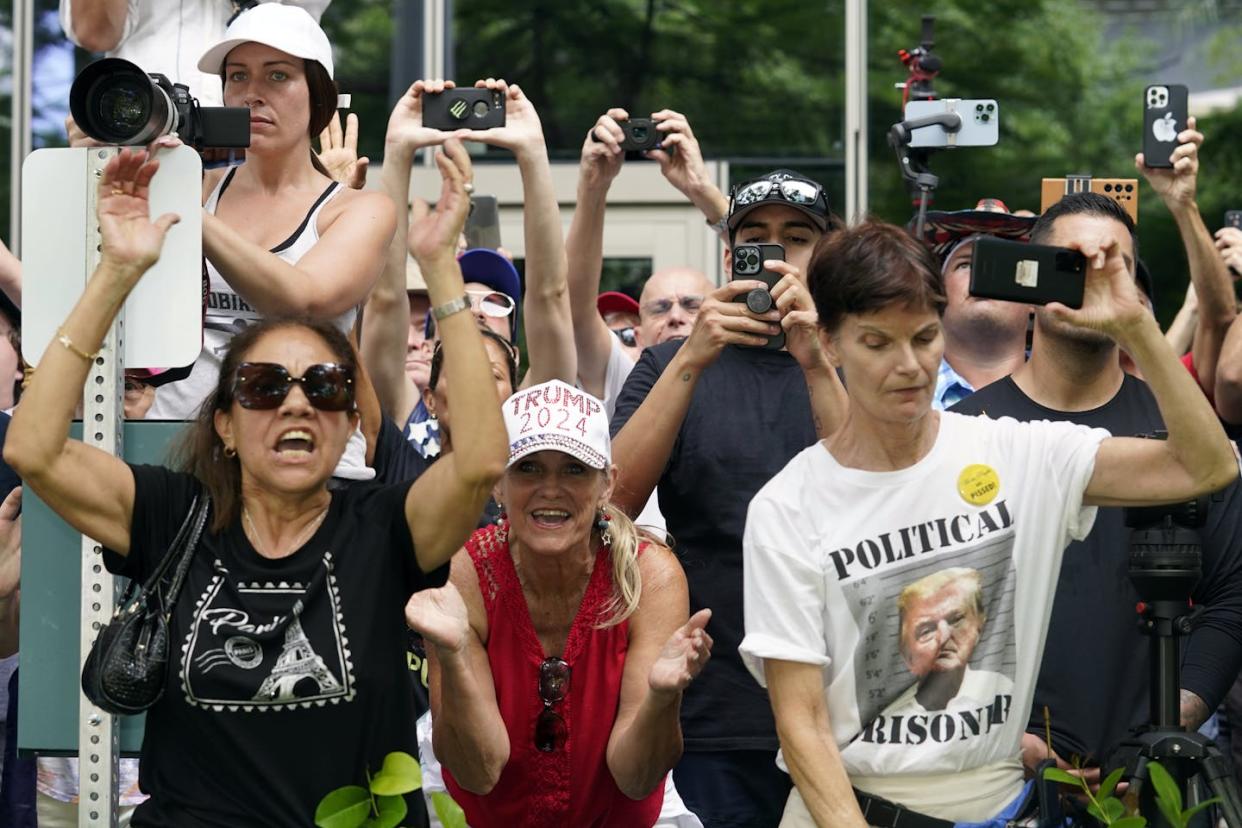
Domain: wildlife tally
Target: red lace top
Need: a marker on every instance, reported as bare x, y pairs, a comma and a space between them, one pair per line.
571, 787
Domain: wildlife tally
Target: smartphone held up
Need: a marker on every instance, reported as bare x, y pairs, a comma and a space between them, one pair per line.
1164, 117
748, 263
1033, 274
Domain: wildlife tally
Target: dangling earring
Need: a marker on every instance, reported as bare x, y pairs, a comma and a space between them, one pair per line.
601, 526
502, 525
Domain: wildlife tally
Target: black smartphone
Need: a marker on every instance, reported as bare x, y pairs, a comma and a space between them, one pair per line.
640, 135
466, 108
1164, 116
748, 262
1233, 218
483, 223
1034, 274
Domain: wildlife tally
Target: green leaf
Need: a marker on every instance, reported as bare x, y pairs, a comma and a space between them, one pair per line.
346, 807
1131, 822
450, 813
1093, 809
1188, 815
1110, 782
392, 809
1112, 808
1064, 777
1168, 796
399, 775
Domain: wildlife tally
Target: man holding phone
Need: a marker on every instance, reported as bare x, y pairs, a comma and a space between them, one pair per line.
711, 418
1096, 686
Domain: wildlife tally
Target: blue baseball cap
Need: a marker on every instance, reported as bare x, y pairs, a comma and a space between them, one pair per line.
487, 267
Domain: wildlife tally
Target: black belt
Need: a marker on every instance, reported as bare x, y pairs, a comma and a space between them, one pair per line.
880, 812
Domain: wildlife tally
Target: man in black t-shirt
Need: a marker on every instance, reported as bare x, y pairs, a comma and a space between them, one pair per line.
711, 420
1094, 676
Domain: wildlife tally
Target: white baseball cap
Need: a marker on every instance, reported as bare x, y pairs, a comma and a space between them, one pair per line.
555, 416
290, 29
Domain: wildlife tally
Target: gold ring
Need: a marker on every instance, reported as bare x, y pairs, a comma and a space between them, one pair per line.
117, 191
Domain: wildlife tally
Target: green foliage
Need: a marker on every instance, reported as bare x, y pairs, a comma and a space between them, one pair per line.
1111, 811
383, 805
449, 812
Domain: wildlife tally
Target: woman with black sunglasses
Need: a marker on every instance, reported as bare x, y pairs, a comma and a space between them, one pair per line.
287, 678
561, 647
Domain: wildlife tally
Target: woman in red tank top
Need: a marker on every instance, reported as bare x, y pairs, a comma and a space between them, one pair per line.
561, 646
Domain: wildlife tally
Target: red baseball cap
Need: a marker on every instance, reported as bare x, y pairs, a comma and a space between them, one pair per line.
613, 301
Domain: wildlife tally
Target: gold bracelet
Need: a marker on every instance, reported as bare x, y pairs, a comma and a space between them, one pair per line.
63, 339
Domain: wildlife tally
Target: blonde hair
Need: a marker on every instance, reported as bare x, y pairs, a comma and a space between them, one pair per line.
624, 538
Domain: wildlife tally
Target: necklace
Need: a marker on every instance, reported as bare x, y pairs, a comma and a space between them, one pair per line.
301, 539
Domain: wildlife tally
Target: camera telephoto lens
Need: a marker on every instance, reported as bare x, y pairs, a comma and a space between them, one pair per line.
639, 133
986, 117
991, 107
123, 108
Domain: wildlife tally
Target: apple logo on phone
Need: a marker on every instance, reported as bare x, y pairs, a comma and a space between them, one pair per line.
1165, 129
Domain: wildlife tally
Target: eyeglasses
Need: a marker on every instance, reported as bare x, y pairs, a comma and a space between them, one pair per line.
261, 386
793, 190
550, 728
493, 303
659, 307
626, 335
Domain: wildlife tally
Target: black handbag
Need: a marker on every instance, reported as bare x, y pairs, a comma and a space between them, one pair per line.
126, 669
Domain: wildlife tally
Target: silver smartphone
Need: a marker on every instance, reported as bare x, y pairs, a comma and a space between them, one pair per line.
980, 123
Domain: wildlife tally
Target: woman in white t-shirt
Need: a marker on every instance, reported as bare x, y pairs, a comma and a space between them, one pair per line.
899, 574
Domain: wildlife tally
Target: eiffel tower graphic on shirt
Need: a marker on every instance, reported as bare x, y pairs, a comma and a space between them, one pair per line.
297, 661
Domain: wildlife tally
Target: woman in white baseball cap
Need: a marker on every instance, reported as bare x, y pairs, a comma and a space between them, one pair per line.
279, 235
560, 648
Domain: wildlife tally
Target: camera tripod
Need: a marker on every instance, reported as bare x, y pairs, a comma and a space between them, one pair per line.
1165, 564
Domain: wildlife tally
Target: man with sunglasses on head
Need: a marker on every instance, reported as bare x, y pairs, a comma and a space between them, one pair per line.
711, 418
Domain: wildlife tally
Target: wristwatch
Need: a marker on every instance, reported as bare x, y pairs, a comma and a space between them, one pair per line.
451, 307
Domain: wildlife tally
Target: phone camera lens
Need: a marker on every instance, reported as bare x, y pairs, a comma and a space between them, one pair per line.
986, 117
991, 107
1108, 188
1129, 188
480, 109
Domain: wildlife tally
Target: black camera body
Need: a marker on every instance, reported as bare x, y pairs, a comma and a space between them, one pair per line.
467, 108
114, 101
748, 260
640, 135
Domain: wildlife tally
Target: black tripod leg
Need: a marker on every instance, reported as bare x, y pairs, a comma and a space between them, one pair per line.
1224, 785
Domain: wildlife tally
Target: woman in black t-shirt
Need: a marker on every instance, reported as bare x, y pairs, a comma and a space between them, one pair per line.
287, 678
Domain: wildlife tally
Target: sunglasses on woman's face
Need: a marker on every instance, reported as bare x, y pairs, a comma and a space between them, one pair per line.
550, 728
626, 335
262, 386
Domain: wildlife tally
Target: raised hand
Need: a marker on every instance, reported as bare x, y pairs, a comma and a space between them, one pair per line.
131, 240
1111, 302
338, 152
440, 617
11, 544
798, 317
1229, 244
433, 237
405, 124
522, 132
679, 156
683, 656
722, 321
602, 155
1176, 185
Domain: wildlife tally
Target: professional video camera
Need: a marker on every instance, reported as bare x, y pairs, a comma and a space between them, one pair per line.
114, 101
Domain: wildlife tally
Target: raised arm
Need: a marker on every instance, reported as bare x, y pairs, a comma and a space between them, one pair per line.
1229, 367
468, 733
584, 247
681, 161
804, 341
386, 317
642, 447
666, 653
797, 693
1212, 285
334, 275
95, 25
90, 489
444, 505
549, 323
1196, 458
10, 571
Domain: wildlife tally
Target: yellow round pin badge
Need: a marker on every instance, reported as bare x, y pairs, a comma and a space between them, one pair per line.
978, 484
